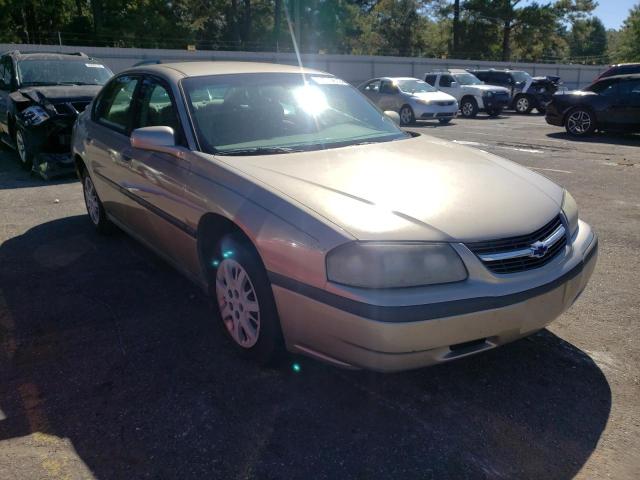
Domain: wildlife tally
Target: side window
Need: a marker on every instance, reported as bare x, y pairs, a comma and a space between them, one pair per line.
445, 80
373, 86
606, 88
430, 79
630, 89
387, 87
482, 76
157, 108
5, 73
113, 106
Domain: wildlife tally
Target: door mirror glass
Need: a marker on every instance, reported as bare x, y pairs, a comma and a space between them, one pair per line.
454, 84
155, 139
393, 116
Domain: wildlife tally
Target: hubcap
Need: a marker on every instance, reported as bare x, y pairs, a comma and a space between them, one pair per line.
238, 303
405, 115
22, 152
467, 109
579, 122
91, 200
523, 104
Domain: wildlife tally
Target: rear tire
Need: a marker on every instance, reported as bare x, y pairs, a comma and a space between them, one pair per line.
469, 107
244, 300
95, 209
523, 104
407, 116
580, 122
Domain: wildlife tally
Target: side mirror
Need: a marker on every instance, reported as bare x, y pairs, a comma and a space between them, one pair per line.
393, 116
454, 85
155, 139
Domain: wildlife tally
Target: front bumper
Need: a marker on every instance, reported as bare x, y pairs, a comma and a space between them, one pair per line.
495, 102
426, 112
365, 337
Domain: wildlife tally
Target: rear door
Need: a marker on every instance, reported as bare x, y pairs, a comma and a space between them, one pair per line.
372, 90
158, 179
108, 147
390, 98
630, 103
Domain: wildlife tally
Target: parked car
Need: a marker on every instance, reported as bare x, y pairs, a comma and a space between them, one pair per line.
318, 225
612, 103
472, 94
527, 92
41, 95
619, 69
413, 99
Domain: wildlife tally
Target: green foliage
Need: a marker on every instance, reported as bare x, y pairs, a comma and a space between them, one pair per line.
588, 40
628, 48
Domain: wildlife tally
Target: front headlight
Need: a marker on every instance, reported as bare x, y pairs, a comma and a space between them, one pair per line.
34, 115
422, 101
570, 210
394, 264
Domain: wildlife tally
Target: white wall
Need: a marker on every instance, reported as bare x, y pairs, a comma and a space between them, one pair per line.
352, 68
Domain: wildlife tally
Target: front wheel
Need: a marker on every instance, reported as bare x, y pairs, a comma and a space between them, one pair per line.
95, 209
523, 104
469, 108
580, 122
406, 115
24, 150
245, 301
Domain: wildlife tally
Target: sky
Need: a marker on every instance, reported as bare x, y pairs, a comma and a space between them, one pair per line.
614, 12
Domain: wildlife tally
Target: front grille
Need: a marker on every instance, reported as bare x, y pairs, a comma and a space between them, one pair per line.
445, 103
519, 264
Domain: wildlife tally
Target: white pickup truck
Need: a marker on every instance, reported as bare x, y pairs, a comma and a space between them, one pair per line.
472, 94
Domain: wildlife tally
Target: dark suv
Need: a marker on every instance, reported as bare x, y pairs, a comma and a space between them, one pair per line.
619, 69
527, 92
41, 95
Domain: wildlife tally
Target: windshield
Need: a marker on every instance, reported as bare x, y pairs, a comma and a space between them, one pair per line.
520, 77
62, 72
414, 86
264, 113
467, 79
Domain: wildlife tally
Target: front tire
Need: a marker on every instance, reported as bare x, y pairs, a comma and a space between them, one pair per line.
407, 116
95, 209
23, 148
523, 104
469, 107
580, 122
245, 302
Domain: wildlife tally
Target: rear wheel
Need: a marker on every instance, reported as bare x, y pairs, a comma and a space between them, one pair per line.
523, 104
95, 209
469, 107
580, 122
24, 150
244, 298
406, 115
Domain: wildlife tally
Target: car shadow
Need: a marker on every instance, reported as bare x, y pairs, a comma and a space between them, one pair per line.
12, 175
608, 138
105, 345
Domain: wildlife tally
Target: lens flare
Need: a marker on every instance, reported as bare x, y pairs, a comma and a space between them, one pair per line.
311, 99
296, 367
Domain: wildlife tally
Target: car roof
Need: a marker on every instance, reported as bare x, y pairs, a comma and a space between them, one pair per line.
399, 78
632, 64
632, 76
205, 68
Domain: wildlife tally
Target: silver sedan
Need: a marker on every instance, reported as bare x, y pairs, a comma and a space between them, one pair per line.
411, 98
318, 226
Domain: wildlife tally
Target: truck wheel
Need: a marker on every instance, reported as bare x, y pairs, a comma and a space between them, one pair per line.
469, 107
523, 104
24, 150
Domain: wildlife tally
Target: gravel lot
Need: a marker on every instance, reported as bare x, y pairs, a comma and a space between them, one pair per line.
111, 366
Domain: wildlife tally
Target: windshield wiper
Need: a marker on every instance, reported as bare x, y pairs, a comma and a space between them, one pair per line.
259, 151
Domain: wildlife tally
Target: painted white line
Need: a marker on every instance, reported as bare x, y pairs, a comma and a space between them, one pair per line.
526, 150
472, 144
549, 169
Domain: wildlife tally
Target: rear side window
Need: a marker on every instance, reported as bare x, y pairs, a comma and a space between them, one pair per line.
5, 73
430, 79
373, 86
113, 106
484, 76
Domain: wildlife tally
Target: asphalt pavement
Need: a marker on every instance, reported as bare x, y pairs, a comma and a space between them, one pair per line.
112, 367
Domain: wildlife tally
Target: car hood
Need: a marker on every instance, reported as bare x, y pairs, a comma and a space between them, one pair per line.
60, 93
433, 96
420, 188
486, 88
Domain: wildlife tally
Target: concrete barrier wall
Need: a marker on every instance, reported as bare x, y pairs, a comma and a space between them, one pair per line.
352, 68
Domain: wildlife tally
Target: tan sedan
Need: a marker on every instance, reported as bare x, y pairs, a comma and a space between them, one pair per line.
319, 226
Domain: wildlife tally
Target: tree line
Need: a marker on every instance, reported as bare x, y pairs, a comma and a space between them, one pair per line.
557, 30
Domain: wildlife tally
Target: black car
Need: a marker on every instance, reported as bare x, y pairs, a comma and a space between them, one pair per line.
527, 92
41, 95
612, 103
